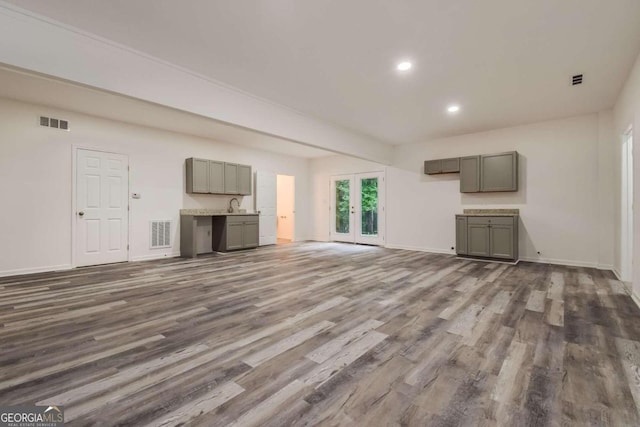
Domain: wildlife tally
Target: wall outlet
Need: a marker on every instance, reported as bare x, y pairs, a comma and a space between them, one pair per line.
136, 196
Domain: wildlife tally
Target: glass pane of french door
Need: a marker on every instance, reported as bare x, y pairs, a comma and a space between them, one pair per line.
369, 206
342, 204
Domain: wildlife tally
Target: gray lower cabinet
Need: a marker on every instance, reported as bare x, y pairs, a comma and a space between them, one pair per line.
461, 235
487, 237
478, 240
235, 232
470, 174
229, 233
499, 172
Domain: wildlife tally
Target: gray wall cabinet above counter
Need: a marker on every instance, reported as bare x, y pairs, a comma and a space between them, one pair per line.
433, 167
482, 173
216, 177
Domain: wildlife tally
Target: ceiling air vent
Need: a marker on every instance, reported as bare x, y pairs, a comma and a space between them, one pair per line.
577, 79
54, 123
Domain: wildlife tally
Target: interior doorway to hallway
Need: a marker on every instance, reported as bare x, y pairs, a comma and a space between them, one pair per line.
285, 208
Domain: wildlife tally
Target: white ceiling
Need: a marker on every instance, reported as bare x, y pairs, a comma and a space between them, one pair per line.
505, 62
27, 87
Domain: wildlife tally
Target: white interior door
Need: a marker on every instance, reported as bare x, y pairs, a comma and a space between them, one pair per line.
102, 187
266, 199
357, 208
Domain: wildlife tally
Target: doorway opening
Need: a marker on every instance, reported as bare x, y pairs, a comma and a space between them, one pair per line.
626, 243
285, 208
357, 208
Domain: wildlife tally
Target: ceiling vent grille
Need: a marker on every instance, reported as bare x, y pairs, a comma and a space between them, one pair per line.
54, 123
576, 80
160, 234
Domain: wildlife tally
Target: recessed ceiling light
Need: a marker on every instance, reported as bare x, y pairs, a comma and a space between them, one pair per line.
404, 66
453, 108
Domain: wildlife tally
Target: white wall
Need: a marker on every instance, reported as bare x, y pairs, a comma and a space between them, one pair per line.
321, 171
36, 182
627, 113
564, 196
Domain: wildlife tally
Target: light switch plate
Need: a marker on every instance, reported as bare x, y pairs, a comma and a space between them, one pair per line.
136, 196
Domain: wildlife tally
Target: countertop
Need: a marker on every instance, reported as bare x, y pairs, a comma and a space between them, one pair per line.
491, 212
212, 212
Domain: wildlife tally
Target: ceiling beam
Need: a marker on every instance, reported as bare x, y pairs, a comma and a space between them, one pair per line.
36, 43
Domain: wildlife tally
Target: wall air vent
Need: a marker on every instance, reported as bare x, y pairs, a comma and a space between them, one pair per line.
160, 234
576, 80
54, 123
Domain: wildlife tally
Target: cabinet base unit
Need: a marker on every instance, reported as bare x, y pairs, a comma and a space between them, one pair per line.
228, 233
487, 237
232, 233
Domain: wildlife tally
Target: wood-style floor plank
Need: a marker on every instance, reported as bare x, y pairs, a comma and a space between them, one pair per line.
323, 334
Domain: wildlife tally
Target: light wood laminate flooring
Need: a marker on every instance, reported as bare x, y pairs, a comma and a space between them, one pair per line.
323, 334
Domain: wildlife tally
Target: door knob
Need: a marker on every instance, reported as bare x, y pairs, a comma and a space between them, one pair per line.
81, 213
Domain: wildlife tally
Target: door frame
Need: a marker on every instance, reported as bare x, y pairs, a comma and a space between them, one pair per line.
293, 227
354, 222
627, 205
74, 193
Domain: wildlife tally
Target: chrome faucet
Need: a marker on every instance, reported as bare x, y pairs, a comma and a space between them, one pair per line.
231, 210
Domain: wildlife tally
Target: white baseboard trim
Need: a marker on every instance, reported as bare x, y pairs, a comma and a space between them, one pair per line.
419, 249
155, 256
23, 271
628, 287
568, 263
616, 273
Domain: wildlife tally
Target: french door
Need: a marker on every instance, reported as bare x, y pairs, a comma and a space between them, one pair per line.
357, 208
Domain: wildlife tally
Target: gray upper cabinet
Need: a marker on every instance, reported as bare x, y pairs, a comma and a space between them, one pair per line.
231, 178
244, 180
451, 165
470, 174
197, 175
432, 167
499, 172
216, 177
